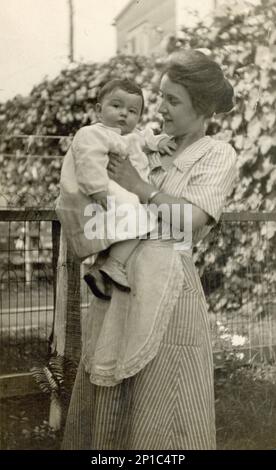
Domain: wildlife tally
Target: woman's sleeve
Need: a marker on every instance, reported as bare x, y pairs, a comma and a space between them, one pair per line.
90, 149
212, 180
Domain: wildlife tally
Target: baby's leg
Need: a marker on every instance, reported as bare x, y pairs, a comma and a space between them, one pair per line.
114, 268
121, 251
96, 282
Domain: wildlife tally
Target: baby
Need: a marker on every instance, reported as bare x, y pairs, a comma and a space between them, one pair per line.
119, 108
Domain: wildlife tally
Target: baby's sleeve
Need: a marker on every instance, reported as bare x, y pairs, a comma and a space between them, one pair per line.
90, 149
151, 141
212, 180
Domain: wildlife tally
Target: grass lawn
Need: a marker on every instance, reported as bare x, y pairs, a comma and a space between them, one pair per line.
245, 414
246, 409
24, 424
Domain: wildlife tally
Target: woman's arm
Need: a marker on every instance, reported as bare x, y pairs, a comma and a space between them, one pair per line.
125, 175
199, 217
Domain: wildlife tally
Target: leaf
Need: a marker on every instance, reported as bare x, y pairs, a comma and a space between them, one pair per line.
249, 113
254, 129
263, 57
271, 182
271, 118
265, 143
270, 230
236, 122
238, 140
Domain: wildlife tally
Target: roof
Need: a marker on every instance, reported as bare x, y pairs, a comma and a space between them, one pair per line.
124, 10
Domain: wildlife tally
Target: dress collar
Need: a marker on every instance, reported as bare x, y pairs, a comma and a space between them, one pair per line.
190, 155
114, 129
193, 152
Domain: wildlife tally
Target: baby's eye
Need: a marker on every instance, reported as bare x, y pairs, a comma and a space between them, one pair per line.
133, 111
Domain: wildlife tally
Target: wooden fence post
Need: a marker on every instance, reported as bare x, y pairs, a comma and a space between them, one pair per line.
67, 332
73, 330
66, 336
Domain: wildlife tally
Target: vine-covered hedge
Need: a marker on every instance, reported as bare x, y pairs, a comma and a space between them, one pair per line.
58, 107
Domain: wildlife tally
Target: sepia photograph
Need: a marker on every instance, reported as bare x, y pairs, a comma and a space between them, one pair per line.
138, 228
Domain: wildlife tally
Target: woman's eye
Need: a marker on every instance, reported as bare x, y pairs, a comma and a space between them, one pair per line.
173, 102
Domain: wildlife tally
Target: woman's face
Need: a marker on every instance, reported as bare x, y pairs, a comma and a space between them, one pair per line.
177, 110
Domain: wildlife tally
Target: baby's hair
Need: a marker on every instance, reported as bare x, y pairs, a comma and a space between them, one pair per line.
121, 84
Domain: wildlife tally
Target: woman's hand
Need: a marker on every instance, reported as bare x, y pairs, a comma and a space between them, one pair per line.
123, 172
101, 198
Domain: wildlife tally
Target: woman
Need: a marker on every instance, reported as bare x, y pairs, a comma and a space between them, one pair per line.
145, 380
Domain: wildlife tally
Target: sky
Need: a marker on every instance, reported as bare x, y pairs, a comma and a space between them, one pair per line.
35, 39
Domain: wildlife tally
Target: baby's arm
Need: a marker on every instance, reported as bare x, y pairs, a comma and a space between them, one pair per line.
90, 149
158, 143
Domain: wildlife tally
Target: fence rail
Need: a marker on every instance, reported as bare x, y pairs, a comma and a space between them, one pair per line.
38, 214
28, 214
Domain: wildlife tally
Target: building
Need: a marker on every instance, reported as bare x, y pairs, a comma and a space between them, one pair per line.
145, 26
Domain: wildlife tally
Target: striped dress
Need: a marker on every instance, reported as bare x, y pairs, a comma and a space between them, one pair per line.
151, 388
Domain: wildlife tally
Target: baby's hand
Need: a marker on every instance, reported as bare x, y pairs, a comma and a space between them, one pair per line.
166, 146
100, 198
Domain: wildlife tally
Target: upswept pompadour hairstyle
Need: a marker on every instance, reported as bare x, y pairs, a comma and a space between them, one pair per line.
209, 90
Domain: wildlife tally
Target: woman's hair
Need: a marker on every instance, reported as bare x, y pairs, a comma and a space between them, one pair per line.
121, 84
209, 90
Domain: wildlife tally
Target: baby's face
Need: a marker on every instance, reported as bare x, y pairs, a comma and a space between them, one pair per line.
120, 109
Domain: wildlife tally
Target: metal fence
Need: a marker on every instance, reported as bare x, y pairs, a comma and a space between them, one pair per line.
242, 294
28, 255
29, 250
243, 314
